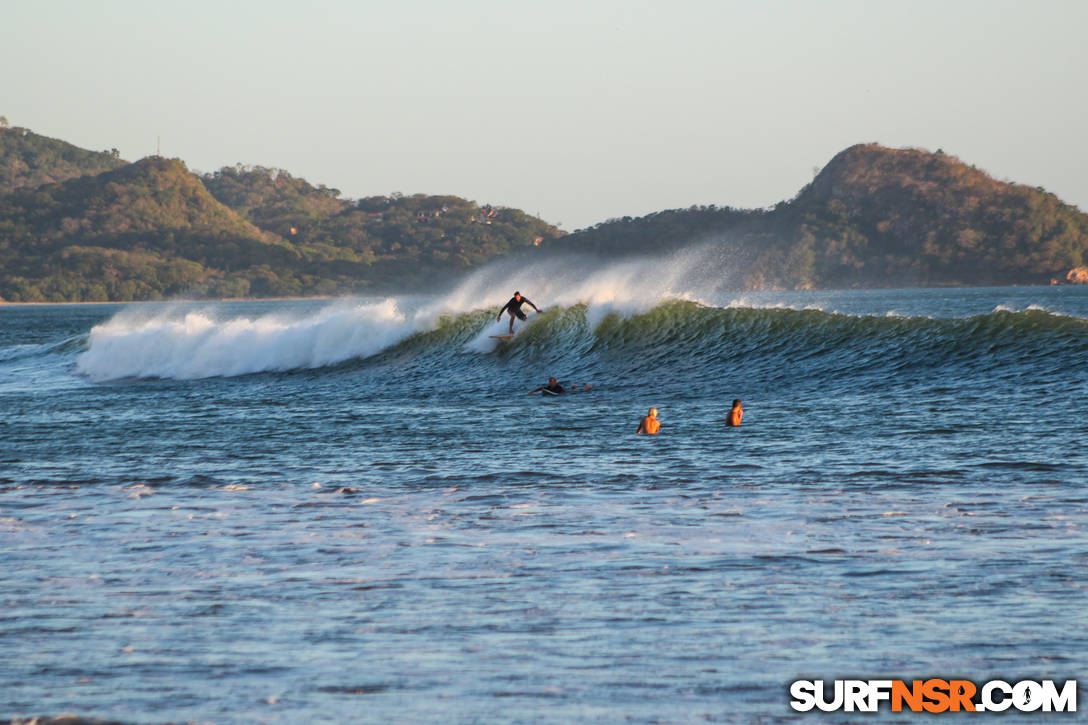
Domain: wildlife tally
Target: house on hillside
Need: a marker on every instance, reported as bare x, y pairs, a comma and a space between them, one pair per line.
428, 214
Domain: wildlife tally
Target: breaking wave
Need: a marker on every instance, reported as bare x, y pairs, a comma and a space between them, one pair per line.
659, 312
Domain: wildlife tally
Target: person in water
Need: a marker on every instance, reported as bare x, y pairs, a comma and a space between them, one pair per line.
513, 307
555, 388
650, 424
552, 387
733, 419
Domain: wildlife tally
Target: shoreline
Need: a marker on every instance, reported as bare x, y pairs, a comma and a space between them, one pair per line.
5, 303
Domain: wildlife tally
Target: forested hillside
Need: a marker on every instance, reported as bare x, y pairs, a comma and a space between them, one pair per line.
876, 217
142, 231
29, 160
393, 231
909, 217
78, 225
153, 229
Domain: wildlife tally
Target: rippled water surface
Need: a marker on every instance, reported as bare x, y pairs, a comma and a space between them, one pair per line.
351, 510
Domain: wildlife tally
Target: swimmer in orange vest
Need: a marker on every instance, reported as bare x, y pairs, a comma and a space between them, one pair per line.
733, 419
650, 424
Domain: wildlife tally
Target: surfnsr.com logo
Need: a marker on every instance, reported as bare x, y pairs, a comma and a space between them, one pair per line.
934, 695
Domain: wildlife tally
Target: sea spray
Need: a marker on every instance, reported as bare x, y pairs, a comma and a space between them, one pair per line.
185, 343
665, 309
680, 337
624, 287
182, 342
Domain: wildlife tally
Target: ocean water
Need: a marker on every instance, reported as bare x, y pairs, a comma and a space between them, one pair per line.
351, 510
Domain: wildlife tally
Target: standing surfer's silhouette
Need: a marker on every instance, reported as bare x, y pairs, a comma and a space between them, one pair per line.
513, 307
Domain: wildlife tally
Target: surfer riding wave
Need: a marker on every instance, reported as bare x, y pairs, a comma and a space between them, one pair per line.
513, 307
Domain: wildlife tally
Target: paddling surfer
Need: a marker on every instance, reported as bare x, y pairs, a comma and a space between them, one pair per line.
553, 387
513, 307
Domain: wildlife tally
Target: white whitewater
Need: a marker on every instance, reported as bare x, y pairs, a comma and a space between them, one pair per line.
188, 340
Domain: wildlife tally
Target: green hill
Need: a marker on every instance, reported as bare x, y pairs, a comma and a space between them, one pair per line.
387, 240
29, 160
908, 217
78, 225
875, 217
141, 231
152, 229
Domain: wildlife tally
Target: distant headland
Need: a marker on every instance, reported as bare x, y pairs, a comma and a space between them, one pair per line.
82, 226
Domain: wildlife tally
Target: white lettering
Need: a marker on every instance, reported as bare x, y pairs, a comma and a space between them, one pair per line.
879, 690
855, 695
822, 702
1027, 696
987, 696
1064, 701
993, 696
804, 695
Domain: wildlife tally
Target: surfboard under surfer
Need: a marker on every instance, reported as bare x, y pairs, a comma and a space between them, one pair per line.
513, 307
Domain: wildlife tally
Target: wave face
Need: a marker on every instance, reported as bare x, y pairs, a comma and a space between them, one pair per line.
610, 324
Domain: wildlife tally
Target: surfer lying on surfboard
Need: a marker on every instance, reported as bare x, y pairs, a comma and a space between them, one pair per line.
554, 388
514, 308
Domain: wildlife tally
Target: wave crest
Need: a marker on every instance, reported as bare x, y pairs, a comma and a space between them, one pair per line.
185, 344
180, 343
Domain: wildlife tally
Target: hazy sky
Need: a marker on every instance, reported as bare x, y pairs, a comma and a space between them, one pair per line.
577, 111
